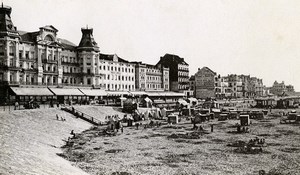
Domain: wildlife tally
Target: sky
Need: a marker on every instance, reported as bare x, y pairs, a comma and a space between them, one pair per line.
251, 37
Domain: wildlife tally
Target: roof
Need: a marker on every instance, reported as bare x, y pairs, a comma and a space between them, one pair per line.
110, 57
66, 91
87, 41
174, 94
49, 27
172, 57
138, 93
192, 99
32, 91
117, 93
291, 94
205, 69
192, 78
28, 36
93, 92
67, 44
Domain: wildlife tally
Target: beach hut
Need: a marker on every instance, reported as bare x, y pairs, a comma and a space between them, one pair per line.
245, 120
172, 118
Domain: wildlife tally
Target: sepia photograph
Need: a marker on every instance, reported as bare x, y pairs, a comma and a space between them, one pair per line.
149, 87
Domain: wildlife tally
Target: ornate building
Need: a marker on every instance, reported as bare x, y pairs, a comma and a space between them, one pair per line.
41, 58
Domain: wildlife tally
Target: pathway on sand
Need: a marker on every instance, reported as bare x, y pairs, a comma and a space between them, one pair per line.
31, 139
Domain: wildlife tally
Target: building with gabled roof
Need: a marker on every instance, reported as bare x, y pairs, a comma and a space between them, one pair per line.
205, 83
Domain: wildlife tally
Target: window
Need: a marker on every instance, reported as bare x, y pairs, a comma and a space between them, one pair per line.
20, 54
12, 50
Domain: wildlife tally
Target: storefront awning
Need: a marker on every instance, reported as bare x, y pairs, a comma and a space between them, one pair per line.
153, 94
93, 92
117, 93
192, 99
66, 92
140, 93
165, 94
31, 91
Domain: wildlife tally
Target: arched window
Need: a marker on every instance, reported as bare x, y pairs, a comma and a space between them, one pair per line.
48, 38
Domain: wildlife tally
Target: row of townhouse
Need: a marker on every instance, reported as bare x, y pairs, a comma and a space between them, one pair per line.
207, 83
40, 58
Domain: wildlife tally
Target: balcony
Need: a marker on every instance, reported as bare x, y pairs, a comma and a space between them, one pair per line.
72, 73
3, 67
183, 70
29, 83
27, 59
50, 72
30, 70
91, 74
14, 68
49, 61
14, 83
70, 63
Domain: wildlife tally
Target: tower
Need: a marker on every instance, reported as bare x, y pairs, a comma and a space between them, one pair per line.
88, 53
9, 42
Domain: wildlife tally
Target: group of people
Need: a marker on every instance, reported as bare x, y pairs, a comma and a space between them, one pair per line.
256, 141
60, 118
114, 123
242, 129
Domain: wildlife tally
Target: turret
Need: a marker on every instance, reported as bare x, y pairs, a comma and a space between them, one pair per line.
87, 42
7, 28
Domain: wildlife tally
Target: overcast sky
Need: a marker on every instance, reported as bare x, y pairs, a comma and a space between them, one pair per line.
256, 37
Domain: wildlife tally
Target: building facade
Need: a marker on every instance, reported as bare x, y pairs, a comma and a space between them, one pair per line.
178, 72
117, 74
281, 88
150, 77
40, 58
192, 85
206, 83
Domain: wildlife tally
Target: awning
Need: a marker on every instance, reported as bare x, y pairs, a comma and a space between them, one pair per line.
32, 91
138, 93
117, 93
66, 91
183, 102
192, 99
174, 94
93, 92
148, 99
154, 94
